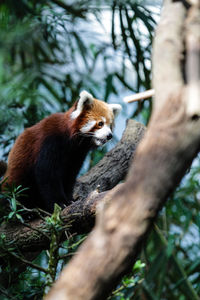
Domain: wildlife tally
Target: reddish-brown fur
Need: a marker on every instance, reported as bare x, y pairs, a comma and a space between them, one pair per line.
27, 148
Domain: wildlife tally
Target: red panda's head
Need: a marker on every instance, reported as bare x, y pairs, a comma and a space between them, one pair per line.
94, 118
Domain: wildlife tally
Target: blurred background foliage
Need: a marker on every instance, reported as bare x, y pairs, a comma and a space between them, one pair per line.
49, 51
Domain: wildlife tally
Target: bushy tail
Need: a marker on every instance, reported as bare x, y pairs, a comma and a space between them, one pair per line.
3, 168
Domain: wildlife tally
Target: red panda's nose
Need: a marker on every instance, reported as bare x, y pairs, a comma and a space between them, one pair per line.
109, 137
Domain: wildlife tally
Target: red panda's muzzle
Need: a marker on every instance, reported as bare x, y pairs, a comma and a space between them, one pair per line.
101, 136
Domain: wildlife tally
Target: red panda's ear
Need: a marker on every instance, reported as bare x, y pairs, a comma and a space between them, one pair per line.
116, 108
85, 101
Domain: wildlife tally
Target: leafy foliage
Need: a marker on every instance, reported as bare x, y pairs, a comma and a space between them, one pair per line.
11, 195
51, 52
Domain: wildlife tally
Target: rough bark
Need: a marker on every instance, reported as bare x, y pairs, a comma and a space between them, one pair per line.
162, 158
114, 165
80, 214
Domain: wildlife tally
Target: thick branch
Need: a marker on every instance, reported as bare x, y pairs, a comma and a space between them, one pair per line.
80, 214
114, 165
162, 158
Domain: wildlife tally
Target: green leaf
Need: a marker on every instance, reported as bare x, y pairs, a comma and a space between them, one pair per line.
13, 204
138, 266
19, 217
11, 214
109, 86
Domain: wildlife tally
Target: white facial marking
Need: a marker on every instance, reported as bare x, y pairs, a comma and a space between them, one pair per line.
103, 119
85, 97
88, 126
103, 132
98, 142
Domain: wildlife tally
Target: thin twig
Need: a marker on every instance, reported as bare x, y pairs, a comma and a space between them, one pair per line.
139, 96
30, 264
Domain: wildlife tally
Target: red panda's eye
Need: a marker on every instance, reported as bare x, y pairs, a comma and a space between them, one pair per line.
100, 124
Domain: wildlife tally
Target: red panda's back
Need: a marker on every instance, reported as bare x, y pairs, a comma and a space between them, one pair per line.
25, 150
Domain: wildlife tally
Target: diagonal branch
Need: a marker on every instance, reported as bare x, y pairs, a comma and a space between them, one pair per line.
80, 214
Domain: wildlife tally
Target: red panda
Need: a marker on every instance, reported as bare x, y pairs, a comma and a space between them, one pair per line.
47, 157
